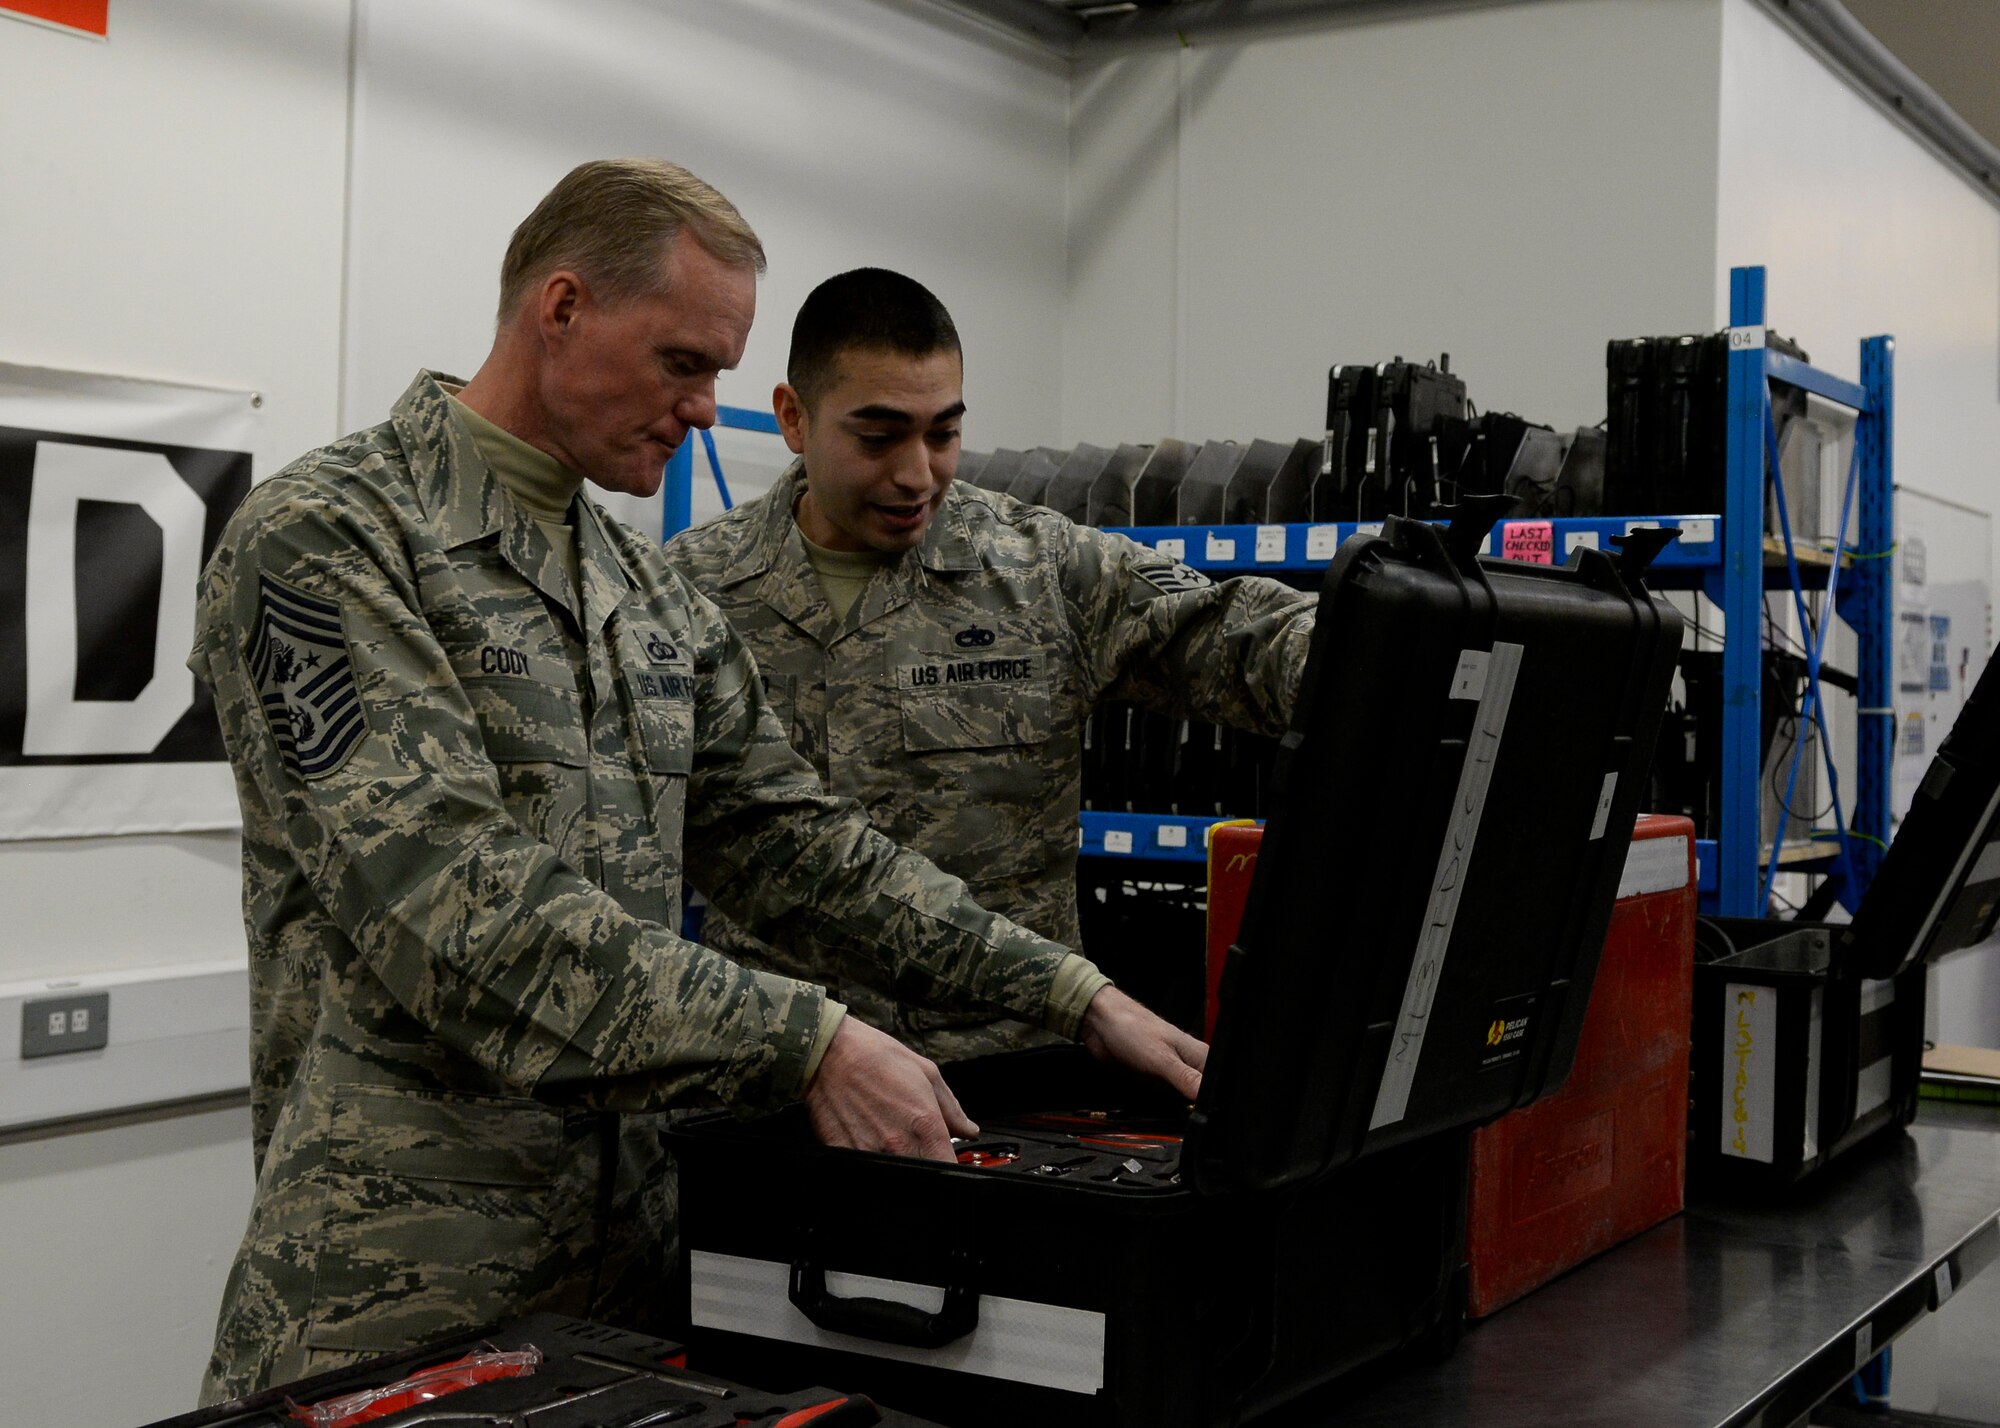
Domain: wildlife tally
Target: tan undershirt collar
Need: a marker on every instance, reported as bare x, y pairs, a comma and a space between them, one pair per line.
844, 574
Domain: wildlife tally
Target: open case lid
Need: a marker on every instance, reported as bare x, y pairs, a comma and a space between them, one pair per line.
1938, 889
1423, 924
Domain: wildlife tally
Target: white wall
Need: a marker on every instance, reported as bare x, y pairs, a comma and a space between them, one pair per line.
1511, 185
170, 206
849, 132
117, 1243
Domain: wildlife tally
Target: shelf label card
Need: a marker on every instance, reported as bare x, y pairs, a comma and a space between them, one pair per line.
1749, 1069
1532, 542
1117, 840
1322, 542
1270, 543
1701, 532
1173, 835
1864, 1346
1220, 549
1942, 1278
1575, 540
1369, 528
1173, 547
1742, 339
1631, 526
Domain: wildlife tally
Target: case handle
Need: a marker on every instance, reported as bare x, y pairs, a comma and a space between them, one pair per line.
885, 1320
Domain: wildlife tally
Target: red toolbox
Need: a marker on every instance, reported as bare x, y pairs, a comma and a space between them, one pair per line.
1567, 1178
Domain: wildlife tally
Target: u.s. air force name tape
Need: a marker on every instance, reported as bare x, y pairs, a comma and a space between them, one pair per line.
299, 662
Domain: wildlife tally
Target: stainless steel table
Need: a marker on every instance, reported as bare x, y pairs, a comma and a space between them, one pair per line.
1727, 1315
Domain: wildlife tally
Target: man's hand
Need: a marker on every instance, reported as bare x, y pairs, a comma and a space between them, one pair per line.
871, 1092
1119, 1030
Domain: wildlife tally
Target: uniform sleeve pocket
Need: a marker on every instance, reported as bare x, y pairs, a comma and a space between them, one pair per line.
526, 721
977, 716
473, 1140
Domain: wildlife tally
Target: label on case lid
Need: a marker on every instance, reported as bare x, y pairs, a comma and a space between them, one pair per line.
1461, 839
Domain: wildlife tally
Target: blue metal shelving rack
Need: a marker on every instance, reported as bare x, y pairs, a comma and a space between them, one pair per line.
1722, 554
678, 488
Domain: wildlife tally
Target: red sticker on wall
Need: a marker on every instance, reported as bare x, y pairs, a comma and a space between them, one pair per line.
1530, 541
90, 17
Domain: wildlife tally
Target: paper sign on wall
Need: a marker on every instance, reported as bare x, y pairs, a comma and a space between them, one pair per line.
89, 17
113, 492
1530, 541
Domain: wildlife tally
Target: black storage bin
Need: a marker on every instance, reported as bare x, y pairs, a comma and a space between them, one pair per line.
1111, 495
1840, 1008
1205, 486
1038, 468
1288, 499
1403, 974
970, 465
1068, 493
1156, 493
589, 1376
997, 471
1795, 1058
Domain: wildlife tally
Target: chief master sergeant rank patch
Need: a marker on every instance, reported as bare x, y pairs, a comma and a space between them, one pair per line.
300, 665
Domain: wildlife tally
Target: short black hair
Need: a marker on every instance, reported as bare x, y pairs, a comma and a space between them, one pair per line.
866, 308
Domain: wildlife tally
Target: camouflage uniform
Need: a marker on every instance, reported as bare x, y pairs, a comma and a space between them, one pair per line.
465, 805
951, 700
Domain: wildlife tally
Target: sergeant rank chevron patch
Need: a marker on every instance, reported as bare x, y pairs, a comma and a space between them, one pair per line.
299, 662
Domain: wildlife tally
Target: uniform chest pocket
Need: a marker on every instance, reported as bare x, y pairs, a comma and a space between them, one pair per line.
782, 691
527, 721
977, 715
665, 706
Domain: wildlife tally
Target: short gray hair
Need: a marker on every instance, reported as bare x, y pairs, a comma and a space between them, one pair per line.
611, 221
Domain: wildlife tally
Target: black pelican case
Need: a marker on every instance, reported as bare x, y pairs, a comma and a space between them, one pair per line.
1451, 813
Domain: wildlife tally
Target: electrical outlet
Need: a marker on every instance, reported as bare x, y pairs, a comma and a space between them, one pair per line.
52, 1026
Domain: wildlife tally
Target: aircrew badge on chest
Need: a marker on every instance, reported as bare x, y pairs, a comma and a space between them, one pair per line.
299, 662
